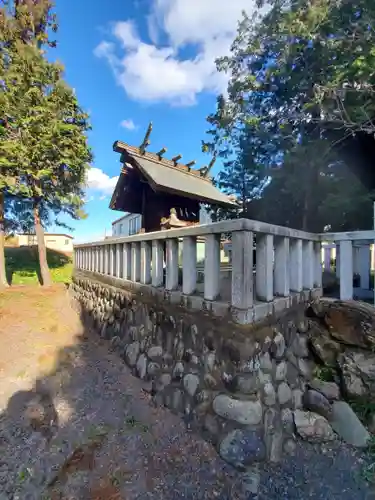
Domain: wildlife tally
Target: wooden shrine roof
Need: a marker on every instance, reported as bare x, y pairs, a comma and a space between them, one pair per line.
168, 176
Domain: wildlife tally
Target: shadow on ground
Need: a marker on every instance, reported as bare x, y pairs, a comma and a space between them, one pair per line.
87, 429
22, 263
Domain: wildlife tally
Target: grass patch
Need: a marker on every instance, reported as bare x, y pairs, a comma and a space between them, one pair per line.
369, 470
22, 266
325, 373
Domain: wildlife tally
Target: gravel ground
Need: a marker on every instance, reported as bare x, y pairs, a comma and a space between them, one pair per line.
142, 452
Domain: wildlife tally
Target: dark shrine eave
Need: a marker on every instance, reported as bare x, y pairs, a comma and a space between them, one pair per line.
165, 176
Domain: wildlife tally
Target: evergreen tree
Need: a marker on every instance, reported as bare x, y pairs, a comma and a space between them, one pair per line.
43, 143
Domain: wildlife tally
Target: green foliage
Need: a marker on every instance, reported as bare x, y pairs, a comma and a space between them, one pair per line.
297, 72
44, 153
22, 266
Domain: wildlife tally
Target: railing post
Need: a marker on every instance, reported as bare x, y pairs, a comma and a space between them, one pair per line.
346, 270
362, 264
295, 264
102, 259
106, 259
85, 259
189, 265
242, 269
282, 278
145, 262
118, 260
126, 261
136, 262
212, 267
96, 259
111, 260
172, 264
157, 263
318, 264
76, 258
264, 267
308, 264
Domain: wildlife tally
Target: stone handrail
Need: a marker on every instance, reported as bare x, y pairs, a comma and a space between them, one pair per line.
288, 264
353, 253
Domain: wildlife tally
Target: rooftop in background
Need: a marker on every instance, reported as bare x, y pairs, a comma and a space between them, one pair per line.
167, 176
48, 234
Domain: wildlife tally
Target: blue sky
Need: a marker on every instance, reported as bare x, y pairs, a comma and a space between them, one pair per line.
136, 61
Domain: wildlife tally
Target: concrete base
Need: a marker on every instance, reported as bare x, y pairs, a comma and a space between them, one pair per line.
258, 312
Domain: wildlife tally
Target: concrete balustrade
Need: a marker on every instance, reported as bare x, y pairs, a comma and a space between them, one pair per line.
288, 266
353, 254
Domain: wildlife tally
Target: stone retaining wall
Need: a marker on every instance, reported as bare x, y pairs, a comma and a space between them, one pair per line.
251, 391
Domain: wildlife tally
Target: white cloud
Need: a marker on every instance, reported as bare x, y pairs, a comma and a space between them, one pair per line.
128, 124
100, 181
151, 72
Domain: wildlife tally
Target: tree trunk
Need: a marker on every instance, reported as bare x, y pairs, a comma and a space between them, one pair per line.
39, 231
3, 276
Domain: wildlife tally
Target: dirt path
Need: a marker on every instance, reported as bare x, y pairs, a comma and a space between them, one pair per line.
72, 416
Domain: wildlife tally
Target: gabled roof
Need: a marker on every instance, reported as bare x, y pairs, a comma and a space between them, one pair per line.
167, 176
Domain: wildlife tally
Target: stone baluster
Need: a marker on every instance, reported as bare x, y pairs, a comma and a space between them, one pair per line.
318, 264
85, 259
106, 259
346, 270
102, 259
212, 267
111, 271
77, 257
172, 264
308, 264
281, 268
135, 274
126, 261
264, 267
118, 260
157, 270
145, 262
189, 265
295, 263
242, 270
362, 264
97, 260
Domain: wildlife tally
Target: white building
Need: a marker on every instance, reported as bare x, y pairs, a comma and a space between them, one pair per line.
130, 224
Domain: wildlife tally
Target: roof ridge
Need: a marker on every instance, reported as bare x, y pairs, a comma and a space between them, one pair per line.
134, 150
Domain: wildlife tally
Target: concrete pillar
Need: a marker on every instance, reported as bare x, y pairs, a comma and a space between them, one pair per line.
362, 264
281, 272
111, 271
242, 269
145, 262
318, 264
189, 265
135, 274
212, 267
346, 270
118, 260
97, 260
102, 259
157, 271
308, 264
126, 261
295, 263
172, 264
264, 267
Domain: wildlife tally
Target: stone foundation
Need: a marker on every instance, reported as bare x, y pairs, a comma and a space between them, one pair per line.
251, 390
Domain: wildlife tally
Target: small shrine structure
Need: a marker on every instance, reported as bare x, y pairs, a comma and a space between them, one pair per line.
166, 193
